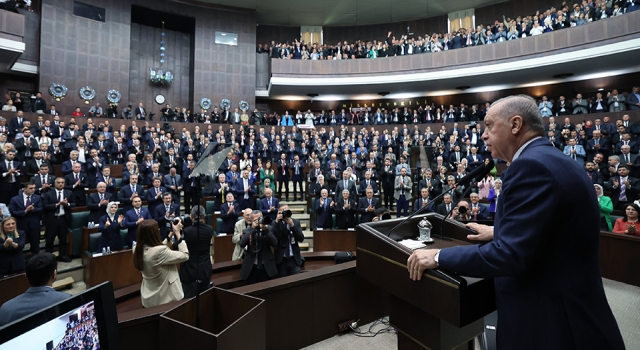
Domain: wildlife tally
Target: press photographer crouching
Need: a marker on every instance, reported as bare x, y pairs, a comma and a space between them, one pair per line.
289, 233
258, 264
198, 267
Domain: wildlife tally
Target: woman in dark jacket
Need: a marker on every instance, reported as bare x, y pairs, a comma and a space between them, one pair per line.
12, 242
110, 227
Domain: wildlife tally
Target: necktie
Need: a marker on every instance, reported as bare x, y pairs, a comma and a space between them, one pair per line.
28, 201
76, 177
623, 190
573, 148
27, 143
133, 189
174, 180
138, 213
626, 157
101, 197
59, 200
448, 208
38, 162
42, 179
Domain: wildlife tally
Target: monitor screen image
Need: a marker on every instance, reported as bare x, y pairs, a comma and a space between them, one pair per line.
76, 329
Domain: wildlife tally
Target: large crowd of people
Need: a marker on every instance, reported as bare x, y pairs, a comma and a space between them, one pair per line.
81, 333
566, 16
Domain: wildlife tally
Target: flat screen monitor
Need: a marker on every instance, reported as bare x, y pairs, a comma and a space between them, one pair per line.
85, 321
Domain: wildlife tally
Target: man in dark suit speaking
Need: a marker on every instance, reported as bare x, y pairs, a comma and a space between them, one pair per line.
544, 253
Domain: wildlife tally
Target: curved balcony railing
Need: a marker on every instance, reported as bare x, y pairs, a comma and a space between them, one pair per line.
614, 30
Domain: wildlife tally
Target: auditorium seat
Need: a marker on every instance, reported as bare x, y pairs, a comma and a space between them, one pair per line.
78, 220
94, 240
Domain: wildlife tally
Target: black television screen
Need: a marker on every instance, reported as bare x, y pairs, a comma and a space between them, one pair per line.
85, 321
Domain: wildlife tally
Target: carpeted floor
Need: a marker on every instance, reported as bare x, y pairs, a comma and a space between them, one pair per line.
624, 300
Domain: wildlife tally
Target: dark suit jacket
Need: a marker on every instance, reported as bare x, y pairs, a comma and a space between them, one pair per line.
159, 215
27, 221
363, 203
264, 207
31, 167
631, 193
21, 148
11, 259
261, 248
199, 264
345, 218
37, 180
362, 189
4, 181
110, 235
124, 196
96, 211
228, 219
417, 204
130, 222
50, 199
323, 214
70, 180
546, 272
284, 236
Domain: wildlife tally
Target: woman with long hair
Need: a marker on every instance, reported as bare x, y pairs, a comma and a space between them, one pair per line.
110, 227
267, 172
12, 242
628, 225
43, 138
158, 261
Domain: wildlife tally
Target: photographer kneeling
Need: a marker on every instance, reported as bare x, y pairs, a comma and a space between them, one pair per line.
289, 233
195, 273
258, 264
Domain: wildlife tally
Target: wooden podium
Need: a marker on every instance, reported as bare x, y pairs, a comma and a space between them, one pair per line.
228, 320
441, 311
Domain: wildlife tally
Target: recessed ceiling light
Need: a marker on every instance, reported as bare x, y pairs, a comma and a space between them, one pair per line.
601, 89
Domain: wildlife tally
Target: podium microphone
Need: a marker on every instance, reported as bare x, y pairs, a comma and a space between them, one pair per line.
478, 172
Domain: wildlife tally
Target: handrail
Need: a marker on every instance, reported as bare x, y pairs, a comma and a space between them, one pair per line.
595, 34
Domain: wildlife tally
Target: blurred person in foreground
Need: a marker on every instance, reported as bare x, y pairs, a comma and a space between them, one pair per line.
548, 286
195, 273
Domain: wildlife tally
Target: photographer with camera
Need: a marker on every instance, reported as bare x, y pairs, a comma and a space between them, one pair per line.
289, 233
258, 264
461, 212
195, 273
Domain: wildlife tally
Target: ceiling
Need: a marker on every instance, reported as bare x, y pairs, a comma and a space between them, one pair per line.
347, 12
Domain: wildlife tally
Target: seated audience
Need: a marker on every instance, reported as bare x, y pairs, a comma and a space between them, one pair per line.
628, 225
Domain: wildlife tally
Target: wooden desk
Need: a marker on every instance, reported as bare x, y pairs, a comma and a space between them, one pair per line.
222, 248
115, 267
334, 240
619, 259
13, 285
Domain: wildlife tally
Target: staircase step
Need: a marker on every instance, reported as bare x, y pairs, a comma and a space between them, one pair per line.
290, 203
63, 283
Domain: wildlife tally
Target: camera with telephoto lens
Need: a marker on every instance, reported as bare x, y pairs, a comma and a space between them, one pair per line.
286, 214
462, 210
264, 220
184, 218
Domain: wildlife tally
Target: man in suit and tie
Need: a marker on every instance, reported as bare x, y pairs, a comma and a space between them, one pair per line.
129, 192
154, 195
118, 151
367, 182
323, 208
107, 179
16, 124
367, 206
445, 207
347, 184
345, 210
94, 166
229, 214
387, 179
76, 182
622, 187
27, 209
423, 201
283, 176
97, 203
152, 174
539, 267
10, 169
269, 205
402, 194
191, 187
67, 165
597, 144
633, 99
219, 190
32, 165
258, 264
57, 218
289, 234
140, 112
477, 211
244, 191
26, 146
133, 217
332, 177
474, 159
43, 180
297, 169
164, 214
575, 151
173, 183
41, 272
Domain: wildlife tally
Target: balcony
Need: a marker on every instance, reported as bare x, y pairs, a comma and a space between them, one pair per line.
12, 26
602, 48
